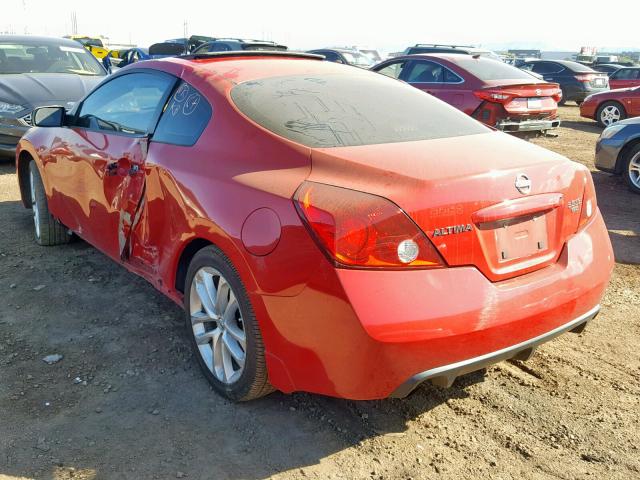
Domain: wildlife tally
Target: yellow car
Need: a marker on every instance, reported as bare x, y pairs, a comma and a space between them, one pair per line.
94, 44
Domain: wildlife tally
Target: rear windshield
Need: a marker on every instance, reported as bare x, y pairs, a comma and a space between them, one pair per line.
578, 67
486, 69
339, 110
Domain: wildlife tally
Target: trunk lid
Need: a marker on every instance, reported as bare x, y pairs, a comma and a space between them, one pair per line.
463, 193
522, 99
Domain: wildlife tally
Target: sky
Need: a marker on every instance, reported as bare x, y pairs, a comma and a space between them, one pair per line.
388, 26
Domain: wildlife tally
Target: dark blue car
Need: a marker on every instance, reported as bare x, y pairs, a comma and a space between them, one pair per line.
577, 81
237, 44
618, 151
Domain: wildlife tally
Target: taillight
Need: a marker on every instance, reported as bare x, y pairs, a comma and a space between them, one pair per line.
493, 96
586, 77
557, 96
358, 229
589, 204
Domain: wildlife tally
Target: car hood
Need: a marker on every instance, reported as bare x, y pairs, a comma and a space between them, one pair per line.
35, 89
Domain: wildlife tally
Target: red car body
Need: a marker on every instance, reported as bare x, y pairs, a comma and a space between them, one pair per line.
624, 103
330, 325
497, 94
626, 77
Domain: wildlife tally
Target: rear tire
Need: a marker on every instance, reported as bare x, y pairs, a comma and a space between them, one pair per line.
609, 113
222, 328
631, 170
563, 100
47, 229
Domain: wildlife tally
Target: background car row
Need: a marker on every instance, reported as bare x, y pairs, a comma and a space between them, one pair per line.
36, 71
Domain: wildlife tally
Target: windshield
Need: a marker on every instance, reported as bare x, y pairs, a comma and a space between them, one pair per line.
340, 110
47, 58
357, 58
486, 69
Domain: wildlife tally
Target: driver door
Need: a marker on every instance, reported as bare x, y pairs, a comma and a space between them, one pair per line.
112, 129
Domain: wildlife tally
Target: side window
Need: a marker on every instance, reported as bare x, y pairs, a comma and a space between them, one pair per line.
219, 47
332, 57
425, 72
393, 70
451, 77
184, 118
127, 104
545, 68
527, 66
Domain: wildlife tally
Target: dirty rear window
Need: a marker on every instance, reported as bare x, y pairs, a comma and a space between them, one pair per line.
339, 110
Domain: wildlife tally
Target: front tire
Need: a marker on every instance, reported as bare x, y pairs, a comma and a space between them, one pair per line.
48, 230
609, 113
221, 325
632, 169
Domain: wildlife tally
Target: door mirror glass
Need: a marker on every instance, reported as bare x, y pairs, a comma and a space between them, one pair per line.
49, 117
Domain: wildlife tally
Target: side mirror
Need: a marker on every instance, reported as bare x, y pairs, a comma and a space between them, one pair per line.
49, 116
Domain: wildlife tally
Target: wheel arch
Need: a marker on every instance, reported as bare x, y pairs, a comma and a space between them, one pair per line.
630, 145
187, 253
23, 159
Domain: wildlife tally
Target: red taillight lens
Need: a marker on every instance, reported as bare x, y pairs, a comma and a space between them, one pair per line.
358, 229
589, 204
557, 96
586, 77
493, 96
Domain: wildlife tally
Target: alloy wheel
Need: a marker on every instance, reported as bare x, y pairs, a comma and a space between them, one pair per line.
634, 170
610, 115
217, 325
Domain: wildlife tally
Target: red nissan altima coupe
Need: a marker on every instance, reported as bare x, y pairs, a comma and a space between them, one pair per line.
326, 229
497, 94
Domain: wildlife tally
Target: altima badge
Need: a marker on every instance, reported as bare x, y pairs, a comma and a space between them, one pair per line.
523, 184
453, 229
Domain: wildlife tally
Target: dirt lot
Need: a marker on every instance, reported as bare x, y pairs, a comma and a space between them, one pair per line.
128, 401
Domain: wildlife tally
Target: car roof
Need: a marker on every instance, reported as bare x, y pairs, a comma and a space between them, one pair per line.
451, 57
336, 49
238, 67
565, 63
32, 39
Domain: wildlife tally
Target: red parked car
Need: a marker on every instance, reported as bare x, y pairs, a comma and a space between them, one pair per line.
612, 106
497, 94
325, 228
625, 77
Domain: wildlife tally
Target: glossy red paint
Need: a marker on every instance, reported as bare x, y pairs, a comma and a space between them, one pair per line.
628, 98
493, 101
347, 332
627, 77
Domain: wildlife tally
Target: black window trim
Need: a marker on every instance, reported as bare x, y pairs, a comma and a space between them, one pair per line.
164, 106
423, 60
388, 63
159, 109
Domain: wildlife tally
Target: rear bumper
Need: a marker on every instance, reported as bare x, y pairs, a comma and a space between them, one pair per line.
527, 125
444, 376
370, 334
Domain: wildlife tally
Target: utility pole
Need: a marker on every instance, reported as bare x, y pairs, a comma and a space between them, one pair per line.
74, 23
186, 29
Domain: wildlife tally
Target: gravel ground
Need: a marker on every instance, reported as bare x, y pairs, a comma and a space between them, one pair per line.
126, 399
